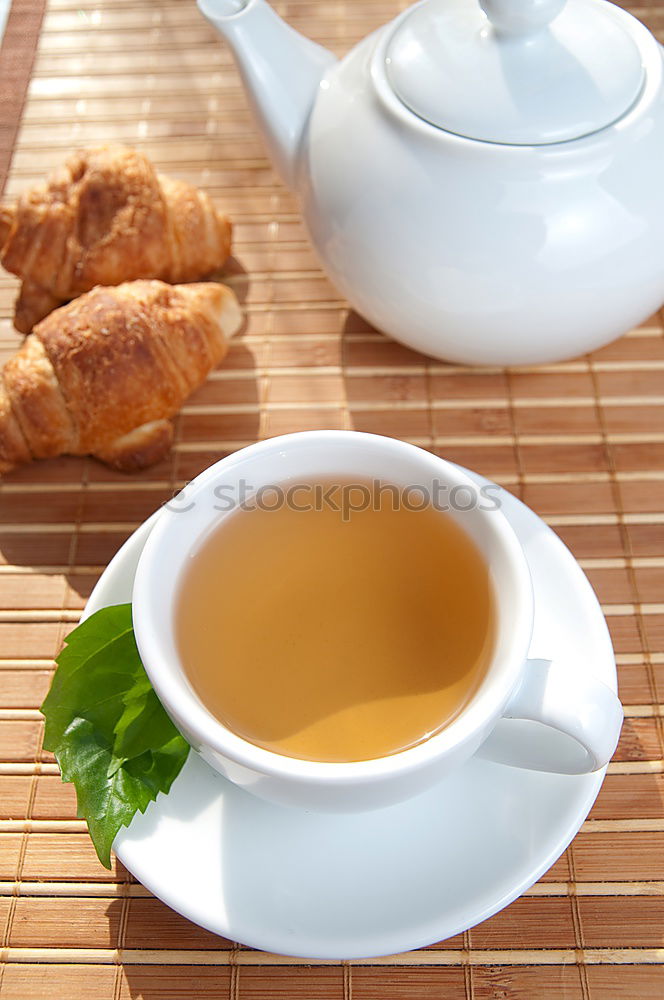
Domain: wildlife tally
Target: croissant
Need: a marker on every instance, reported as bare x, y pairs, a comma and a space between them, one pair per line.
106, 217
102, 375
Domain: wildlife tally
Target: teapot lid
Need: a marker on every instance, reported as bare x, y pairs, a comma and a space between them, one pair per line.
522, 72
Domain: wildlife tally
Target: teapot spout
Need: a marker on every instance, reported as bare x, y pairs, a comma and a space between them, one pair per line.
280, 69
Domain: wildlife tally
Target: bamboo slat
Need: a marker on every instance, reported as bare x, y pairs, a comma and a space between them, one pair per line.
581, 442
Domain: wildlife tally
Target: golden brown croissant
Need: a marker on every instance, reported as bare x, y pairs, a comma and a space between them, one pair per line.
106, 217
102, 375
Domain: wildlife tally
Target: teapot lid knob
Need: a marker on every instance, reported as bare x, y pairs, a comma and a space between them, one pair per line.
521, 17
521, 72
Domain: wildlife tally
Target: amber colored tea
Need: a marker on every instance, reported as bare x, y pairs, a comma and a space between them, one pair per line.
331, 639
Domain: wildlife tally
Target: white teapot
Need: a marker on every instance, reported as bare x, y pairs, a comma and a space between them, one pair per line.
484, 184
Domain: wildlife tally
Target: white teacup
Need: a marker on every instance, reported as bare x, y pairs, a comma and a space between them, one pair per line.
584, 710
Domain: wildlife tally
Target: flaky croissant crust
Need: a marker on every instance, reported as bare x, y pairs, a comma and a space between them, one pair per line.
106, 217
103, 374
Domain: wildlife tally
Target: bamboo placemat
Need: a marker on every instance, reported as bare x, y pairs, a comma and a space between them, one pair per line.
582, 443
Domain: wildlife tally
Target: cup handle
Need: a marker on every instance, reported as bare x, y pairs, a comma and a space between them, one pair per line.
582, 716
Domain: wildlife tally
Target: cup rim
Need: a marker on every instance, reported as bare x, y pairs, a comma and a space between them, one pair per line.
189, 713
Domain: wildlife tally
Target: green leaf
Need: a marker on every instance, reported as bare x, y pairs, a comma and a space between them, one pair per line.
107, 728
143, 725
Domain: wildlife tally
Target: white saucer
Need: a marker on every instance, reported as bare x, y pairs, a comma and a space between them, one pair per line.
343, 887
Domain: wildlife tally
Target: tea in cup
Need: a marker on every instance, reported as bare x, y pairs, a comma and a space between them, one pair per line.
334, 620
370, 626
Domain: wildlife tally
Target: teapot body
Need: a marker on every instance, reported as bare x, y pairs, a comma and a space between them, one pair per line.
476, 252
